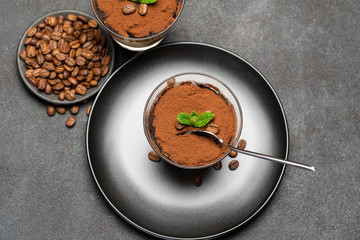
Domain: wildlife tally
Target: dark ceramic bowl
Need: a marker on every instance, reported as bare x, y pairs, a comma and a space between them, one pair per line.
53, 98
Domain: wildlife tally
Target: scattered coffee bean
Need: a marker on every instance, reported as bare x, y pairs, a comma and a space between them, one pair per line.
218, 165
242, 144
233, 153
88, 109
153, 156
58, 49
179, 126
234, 164
198, 181
127, 9
50, 110
74, 109
70, 122
60, 109
212, 127
143, 9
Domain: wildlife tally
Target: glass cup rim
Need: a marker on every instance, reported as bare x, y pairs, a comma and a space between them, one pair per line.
239, 124
140, 38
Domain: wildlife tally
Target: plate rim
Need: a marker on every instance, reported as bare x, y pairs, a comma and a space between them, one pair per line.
198, 44
33, 89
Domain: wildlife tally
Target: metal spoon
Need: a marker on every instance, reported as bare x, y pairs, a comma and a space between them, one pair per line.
253, 154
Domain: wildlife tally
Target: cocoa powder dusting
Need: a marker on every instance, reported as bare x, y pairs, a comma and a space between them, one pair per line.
159, 16
190, 149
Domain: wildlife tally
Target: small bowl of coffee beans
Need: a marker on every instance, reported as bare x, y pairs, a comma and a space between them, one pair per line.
65, 57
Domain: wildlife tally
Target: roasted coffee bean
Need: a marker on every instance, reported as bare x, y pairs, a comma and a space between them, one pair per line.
74, 44
60, 56
70, 31
217, 165
58, 86
39, 35
233, 153
70, 62
80, 61
143, 9
29, 73
75, 72
82, 18
23, 54
53, 21
50, 110
71, 17
52, 81
92, 23
48, 89
83, 72
55, 36
104, 70
70, 122
94, 83
80, 89
87, 45
59, 69
41, 83
82, 38
80, 78
74, 109
96, 71
44, 47
40, 59
73, 81
28, 41
60, 109
129, 8
212, 127
41, 25
63, 46
66, 83
86, 53
242, 144
31, 32
44, 73
88, 109
36, 72
234, 164
105, 60
68, 68
69, 95
179, 126
153, 156
90, 65
90, 76
33, 81
198, 181
30, 51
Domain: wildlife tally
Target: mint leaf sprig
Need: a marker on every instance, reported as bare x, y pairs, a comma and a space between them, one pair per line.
144, 1
194, 119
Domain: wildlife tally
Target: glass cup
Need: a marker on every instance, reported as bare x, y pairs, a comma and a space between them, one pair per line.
135, 44
199, 79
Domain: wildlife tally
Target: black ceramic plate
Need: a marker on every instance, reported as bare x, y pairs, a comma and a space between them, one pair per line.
52, 98
159, 198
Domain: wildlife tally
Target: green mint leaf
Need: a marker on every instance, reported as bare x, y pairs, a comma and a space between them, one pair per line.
184, 118
145, 1
204, 119
193, 114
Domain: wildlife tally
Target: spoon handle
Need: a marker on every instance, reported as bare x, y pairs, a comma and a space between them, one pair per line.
274, 159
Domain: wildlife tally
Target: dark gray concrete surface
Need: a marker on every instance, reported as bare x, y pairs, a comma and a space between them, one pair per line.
308, 50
